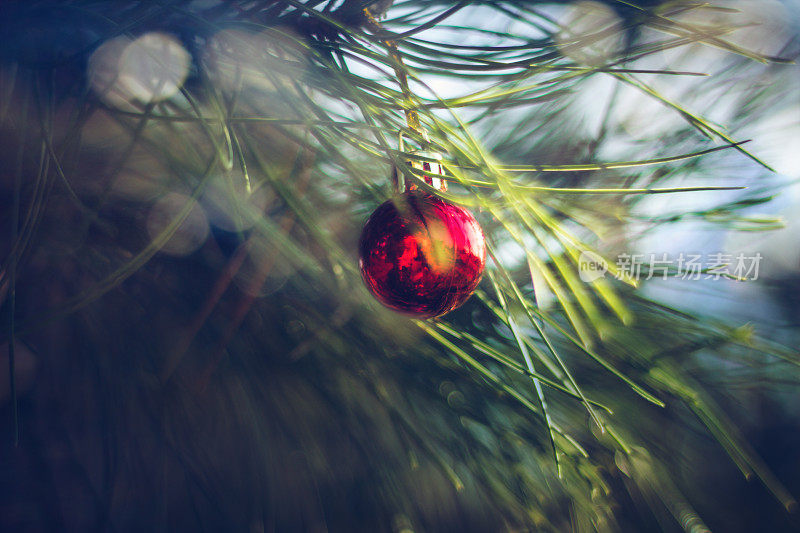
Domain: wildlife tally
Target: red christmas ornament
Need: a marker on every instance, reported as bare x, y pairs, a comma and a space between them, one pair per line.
420, 255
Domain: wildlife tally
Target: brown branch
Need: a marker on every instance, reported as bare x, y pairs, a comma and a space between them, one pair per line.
412, 117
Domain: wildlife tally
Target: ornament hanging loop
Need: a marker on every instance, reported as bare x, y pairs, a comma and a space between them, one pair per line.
427, 163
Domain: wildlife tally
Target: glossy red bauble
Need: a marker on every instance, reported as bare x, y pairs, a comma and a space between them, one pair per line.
420, 255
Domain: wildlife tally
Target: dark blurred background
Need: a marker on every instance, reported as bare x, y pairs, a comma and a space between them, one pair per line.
182, 187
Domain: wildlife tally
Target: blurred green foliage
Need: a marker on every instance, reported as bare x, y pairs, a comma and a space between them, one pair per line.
183, 187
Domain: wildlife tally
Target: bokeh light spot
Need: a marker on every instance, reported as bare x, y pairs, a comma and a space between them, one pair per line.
151, 68
230, 206
591, 33
190, 234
